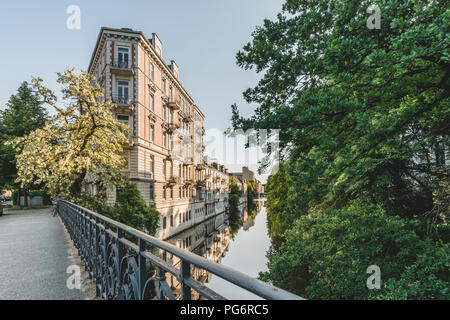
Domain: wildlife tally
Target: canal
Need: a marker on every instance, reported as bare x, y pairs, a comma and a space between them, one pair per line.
239, 241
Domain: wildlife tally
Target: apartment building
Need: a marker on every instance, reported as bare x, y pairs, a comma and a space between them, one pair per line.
165, 152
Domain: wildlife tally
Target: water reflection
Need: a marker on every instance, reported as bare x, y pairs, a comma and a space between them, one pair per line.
237, 239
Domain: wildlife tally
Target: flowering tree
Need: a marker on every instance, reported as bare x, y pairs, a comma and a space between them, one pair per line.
82, 139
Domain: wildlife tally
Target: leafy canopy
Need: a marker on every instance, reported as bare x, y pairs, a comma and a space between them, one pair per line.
357, 106
82, 138
23, 114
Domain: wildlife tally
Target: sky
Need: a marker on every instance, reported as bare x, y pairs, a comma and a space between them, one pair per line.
202, 36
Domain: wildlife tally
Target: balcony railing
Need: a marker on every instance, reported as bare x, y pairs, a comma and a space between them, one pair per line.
173, 180
121, 99
173, 104
201, 184
123, 265
172, 126
122, 67
185, 114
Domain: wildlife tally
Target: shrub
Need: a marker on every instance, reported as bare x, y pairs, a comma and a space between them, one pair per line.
325, 256
132, 210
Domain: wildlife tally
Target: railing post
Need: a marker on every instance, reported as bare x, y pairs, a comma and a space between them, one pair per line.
105, 260
97, 273
121, 253
142, 268
185, 274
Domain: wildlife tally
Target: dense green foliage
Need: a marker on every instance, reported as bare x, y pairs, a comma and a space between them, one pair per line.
235, 195
234, 198
252, 190
365, 118
23, 114
330, 253
130, 209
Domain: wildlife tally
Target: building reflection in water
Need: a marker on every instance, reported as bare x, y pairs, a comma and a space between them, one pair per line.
210, 240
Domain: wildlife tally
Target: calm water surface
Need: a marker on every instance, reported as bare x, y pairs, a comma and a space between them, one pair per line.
240, 244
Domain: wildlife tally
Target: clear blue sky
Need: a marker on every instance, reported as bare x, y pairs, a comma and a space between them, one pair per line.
202, 36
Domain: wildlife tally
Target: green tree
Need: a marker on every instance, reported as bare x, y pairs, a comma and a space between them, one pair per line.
357, 106
365, 117
83, 138
23, 114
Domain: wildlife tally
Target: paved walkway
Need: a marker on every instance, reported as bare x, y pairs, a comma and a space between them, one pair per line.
34, 255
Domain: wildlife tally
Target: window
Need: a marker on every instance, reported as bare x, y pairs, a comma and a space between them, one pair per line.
123, 57
164, 222
164, 85
164, 193
171, 221
164, 112
152, 165
152, 192
171, 93
152, 103
152, 71
124, 119
122, 91
152, 133
164, 140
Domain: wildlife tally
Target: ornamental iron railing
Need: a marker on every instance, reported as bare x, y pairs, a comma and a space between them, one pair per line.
127, 264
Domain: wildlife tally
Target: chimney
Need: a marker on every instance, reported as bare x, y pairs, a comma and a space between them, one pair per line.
174, 68
157, 44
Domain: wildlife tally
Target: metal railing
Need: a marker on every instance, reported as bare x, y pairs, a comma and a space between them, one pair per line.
123, 264
122, 64
121, 99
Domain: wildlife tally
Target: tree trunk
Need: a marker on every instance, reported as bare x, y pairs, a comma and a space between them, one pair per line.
18, 197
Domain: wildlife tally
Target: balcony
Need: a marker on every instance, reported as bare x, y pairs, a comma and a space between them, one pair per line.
121, 101
188, 182
173, 104
185, 114
173, 180
172, 126
122, 68
201, 184
187, 161
200, 166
